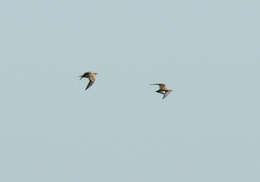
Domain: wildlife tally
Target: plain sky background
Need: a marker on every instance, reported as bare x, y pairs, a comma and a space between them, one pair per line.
120, 130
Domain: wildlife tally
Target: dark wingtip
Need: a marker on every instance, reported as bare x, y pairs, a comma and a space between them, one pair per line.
81, 76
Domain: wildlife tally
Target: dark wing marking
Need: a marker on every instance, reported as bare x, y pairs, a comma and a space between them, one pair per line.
85, 75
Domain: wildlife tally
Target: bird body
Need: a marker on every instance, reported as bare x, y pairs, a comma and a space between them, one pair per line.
163, 89
91, 76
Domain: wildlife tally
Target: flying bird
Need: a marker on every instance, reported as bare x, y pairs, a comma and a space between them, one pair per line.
91, 76
163, 89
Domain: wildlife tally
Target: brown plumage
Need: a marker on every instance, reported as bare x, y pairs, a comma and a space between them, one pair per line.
163, 89
91, 76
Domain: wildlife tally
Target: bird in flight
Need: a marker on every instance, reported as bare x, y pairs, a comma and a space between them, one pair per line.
163, 89
91, 76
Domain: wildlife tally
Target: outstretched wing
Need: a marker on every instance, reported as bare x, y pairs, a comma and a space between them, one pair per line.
90, 83
84, 75
161, 85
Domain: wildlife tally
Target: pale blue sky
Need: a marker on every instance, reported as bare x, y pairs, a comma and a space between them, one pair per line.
120, 130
